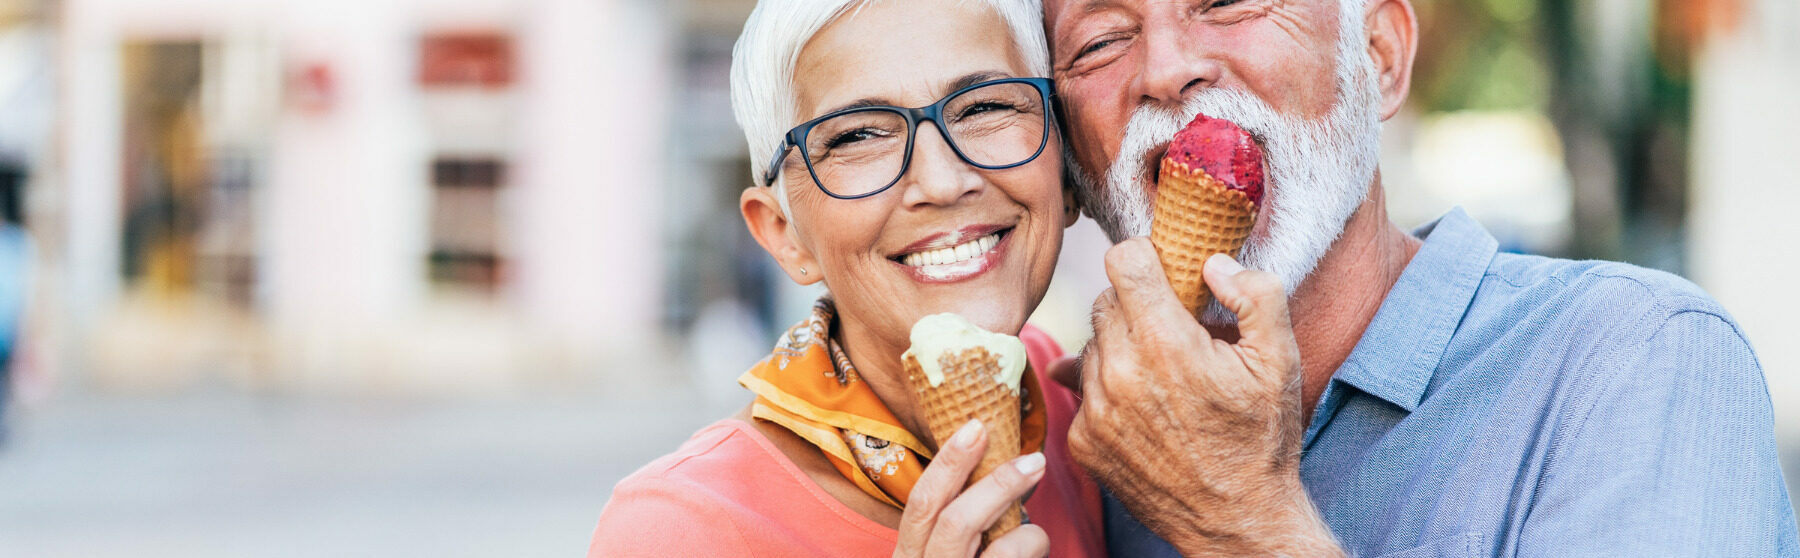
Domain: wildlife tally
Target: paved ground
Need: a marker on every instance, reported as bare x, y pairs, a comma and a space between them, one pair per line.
237, 475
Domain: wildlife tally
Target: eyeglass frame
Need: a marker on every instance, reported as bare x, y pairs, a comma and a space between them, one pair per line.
933, 113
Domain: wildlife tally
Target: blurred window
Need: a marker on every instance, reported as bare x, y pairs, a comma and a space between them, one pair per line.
465, 221
477, 58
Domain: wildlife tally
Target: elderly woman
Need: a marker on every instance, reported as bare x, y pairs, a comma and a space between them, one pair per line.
911, 163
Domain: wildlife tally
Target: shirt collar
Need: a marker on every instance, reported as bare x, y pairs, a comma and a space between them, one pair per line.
1401, 348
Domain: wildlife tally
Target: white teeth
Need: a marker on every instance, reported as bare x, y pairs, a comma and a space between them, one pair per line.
955, 254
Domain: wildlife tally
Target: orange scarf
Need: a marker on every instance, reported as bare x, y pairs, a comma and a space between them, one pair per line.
808, 386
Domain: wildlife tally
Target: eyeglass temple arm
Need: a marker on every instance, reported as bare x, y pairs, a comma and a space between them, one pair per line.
774, 166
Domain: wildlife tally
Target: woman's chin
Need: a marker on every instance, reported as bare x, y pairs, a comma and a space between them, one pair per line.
994, 301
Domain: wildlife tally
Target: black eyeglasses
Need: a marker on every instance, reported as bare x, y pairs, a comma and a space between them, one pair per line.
859, 152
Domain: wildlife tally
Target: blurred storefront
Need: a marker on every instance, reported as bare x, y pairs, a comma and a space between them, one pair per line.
473, 195
405, 195
1746, 181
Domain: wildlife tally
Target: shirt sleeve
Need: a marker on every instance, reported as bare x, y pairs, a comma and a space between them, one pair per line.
1666, 448
656, 517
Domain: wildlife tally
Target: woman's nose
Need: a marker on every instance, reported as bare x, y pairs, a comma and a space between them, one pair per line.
937, 176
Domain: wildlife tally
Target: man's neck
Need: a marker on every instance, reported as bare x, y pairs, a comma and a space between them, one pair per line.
1334, 305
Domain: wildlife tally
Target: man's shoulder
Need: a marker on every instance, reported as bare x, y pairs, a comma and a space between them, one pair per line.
1601, 291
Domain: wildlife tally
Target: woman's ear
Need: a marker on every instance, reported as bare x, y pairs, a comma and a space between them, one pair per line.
1071, 203
776, 234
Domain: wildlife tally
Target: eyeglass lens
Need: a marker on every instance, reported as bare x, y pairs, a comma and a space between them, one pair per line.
993, 126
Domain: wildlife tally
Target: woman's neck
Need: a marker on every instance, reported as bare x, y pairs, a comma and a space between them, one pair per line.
878, 363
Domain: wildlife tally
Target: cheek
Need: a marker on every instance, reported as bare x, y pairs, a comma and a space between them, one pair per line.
1269, 69
843, 234
1098, 112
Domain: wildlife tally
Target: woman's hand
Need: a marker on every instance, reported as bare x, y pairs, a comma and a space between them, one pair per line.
942, 520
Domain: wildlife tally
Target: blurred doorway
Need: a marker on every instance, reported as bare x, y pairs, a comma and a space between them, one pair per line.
188, 207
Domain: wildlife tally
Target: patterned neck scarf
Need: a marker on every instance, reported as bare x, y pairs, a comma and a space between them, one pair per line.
808, 386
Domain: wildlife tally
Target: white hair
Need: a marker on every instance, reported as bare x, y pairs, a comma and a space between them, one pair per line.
1319, 170
762, 65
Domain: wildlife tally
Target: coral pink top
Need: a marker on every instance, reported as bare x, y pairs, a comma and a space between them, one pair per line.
729, 492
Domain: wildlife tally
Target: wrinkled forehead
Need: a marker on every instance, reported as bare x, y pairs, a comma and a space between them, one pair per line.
903, 53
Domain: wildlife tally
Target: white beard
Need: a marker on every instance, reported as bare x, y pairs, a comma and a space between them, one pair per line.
1318, 171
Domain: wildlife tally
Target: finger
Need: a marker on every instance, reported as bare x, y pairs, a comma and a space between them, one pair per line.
1066, 371
1028, 541
1144, 292
1259, 300
1091, 395
959, 526
942, 480
1110, 330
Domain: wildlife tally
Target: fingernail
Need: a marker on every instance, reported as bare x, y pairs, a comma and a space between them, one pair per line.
1030, 463
965, 436
1226, 264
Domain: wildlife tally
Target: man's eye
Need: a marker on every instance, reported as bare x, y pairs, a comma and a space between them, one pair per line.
1222, 3
1095, 47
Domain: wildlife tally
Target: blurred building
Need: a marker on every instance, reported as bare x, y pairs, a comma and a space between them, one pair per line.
1745, 183
481, 194
369, 195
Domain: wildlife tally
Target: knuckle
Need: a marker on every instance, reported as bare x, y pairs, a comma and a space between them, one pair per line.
1118, 254
1263, 284
1008, 478
1108, 299
924, 500
1079, 440
958, 522
1131, 255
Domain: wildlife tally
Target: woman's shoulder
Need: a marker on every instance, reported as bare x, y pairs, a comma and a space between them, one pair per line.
663, 505
714, 452
1067, 502
1041, 351
727, 491
1040, 348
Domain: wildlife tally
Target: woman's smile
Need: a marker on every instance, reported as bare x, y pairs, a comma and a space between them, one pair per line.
955, 256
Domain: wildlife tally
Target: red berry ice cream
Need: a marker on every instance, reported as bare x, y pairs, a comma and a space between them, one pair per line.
1209, 187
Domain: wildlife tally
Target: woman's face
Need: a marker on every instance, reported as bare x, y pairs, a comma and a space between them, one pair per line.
1004, 226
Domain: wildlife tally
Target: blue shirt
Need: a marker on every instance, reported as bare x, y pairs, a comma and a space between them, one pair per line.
1511, 405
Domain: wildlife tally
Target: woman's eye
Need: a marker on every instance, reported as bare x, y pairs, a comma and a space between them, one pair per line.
852, 136
1222, 3
980, 108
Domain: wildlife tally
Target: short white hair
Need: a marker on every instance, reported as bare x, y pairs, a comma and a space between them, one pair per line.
763, 62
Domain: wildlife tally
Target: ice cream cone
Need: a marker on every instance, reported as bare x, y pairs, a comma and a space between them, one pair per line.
1196, 216
968, 391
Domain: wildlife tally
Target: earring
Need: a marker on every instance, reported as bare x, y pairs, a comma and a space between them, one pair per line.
803, 271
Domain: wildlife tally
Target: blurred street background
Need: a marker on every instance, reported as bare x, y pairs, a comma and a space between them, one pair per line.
427, 277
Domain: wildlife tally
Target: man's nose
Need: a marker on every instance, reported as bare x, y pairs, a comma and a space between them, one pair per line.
1175, 62
937, 176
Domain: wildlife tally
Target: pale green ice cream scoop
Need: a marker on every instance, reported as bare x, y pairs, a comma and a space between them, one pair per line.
949, 334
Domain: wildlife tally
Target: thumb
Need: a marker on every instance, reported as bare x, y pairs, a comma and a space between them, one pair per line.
1259, 301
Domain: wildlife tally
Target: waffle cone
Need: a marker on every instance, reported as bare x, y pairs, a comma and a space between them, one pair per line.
1196, 216
969, 391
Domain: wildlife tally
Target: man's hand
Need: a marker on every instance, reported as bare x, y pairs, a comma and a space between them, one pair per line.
1199, 438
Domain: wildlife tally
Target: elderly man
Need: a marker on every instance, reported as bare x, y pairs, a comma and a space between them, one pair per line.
1454, 401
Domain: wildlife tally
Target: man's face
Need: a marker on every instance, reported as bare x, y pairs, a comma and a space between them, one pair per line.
1112, 56
1296, 75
